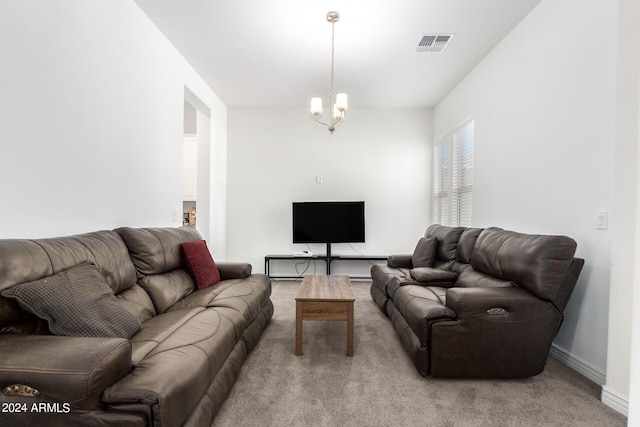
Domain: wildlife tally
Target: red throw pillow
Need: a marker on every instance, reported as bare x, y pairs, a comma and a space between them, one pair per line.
201, 264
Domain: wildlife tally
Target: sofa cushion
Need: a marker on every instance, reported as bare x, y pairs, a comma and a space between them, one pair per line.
159, 262
201, 264
447, 240
537, 263
425, 252
76, 302
23, 260
433, 276
466, 243
103, 248
157, 250
469, 278
168, 288
420, 306
177, 356
246, 296
138, 302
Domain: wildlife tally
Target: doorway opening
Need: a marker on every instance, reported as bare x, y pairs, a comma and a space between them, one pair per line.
190, 165
197, 160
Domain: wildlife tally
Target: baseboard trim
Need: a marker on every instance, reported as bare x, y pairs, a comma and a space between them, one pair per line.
609, 397
615, 400
583, 368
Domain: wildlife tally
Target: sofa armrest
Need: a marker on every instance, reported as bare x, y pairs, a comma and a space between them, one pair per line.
508, 304
400, 261
497, 333
70, 371
234, 270
433, 276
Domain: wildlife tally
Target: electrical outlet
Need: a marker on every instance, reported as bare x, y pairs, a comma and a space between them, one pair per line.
318, 179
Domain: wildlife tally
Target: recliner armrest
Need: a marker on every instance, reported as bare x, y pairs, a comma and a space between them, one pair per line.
63, 370
434, 276
400, 261
496, 304
234, 270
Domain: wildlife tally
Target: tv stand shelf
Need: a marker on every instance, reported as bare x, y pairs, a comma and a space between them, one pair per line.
328, 260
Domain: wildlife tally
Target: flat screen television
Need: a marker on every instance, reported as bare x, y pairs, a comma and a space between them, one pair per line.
328, 222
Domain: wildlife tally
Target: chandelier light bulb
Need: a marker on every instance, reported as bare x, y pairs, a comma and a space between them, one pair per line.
337, 114
341, 102
316, 106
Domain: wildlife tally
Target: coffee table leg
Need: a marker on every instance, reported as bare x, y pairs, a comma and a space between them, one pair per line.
298, 328
350, 329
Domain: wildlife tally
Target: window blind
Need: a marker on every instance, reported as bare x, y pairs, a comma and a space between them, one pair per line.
462, 182
441, 182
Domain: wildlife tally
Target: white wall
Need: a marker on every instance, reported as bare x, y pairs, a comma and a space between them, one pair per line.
91, 118
623, 381
544, 103
634, 377
379, 156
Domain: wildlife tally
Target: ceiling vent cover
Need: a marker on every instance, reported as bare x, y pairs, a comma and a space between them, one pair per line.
435, 43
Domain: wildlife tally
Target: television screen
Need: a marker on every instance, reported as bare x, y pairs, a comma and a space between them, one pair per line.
328, 222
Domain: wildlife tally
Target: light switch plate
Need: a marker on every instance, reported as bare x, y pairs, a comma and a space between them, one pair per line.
602, 220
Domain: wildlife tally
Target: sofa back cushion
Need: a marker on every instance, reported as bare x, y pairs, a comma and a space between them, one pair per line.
26, 260
157, 250
537, 263
104, 248
466, 243
447, 240
76, 302
159, 262
425, 252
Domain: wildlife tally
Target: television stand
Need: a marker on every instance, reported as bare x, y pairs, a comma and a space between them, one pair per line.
327, 258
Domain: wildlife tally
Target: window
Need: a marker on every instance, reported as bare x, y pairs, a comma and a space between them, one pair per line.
453, 177
441, 181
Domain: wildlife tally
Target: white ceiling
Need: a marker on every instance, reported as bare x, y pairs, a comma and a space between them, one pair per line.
277, 53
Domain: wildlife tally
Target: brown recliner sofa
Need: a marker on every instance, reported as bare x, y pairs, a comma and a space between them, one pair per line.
186, 346
473, 302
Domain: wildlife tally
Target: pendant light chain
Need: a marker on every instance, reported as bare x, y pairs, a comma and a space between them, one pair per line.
331, 91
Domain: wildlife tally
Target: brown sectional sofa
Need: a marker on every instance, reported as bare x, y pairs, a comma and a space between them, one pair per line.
482, 303
176, 369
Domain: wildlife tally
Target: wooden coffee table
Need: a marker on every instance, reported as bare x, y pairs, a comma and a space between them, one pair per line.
325, 298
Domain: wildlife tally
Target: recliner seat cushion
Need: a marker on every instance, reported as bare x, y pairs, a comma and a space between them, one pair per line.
421, 305
246, 296
469, 278
177, 356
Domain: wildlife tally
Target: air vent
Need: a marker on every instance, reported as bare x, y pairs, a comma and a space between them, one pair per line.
435, 43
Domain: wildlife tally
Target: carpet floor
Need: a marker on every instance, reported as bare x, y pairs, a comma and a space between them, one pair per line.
379, 385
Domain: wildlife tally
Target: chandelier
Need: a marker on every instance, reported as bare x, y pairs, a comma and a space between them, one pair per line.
340, 106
